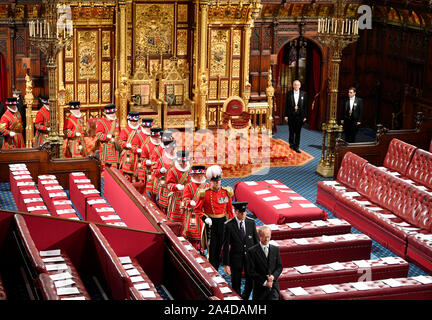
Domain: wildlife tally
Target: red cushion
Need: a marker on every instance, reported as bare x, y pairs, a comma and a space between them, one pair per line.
178, 112
420, 168
350, 169
399, 155
234, 108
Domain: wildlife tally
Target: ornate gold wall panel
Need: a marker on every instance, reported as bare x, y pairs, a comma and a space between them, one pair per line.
219, 44
182, 15
82, 93
106, 92
154, 29
182, 42
88, 59
94, 93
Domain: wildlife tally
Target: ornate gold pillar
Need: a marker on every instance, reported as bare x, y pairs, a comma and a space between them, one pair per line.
28, 99
123, 80
61, 93
203, 71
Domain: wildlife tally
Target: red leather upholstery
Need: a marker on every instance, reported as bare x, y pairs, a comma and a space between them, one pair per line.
398, 156
419, 249
3, 295
319, 250
420, 168
49, 290
323, 273
348, 176
309, 229
410, 289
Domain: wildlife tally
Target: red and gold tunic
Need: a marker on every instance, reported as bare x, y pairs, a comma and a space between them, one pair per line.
216, 204
139, 142
108, 150
147, 153
160, 181
41, 125
127, 157
11, 121
176, 176
75, 146
193, 224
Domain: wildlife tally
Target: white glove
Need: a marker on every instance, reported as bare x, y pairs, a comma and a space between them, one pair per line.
109, 136
208, 221
139, 150
179, 187
128, 145
162, 170
77, 134
12, 133
192, 203
148, 162
48, 129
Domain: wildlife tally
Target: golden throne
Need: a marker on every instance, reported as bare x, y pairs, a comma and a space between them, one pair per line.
174, 94
235, 115
143, 95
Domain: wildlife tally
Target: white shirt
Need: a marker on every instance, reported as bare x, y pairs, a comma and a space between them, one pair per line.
244, 223
352, 103
262, 247
296, 97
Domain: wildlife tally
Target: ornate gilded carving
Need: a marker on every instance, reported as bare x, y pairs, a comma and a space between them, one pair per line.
154, 29
224, 89
82, 93
87, 55
235, 87
236, 67
69, 50
225, 13
218, 53
236, 42
69, 71
106, 92
106, 70
94, 92
84, 13
213, 90
106, 44
182, 41
182, 15
69, 93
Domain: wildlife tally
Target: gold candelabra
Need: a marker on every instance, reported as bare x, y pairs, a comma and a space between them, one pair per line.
51, 34
335, 32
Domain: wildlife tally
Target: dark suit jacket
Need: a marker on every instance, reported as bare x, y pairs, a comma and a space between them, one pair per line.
234, 247
357, 112
290, 105
259, 267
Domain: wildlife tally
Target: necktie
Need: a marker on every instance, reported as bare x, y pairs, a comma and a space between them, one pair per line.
266, 251
242, 230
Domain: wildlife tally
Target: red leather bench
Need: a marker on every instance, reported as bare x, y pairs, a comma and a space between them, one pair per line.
51, 292
98, 210
3, 295
309, 229
398, 156
385, 289
325, 249
351, 271
80, 190
347, 179
420, 169
419, 249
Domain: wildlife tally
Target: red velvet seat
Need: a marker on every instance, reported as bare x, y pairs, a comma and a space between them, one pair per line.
318, 250
409, 289
346, 181
420, 168
324, 274
419, 249
309, 229
399, 155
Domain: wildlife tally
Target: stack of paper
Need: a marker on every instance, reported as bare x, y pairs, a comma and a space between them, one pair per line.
301, 241
319, 223
303, 269
294, 225
391, 260
360, 286
336, 266
298, 291
329, 288
423, 279
392, 283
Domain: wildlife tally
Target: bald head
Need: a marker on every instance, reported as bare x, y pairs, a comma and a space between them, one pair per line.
296, 85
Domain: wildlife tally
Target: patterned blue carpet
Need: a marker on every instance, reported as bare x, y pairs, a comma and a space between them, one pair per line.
301, 179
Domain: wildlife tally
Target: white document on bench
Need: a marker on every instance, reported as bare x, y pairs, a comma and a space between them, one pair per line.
85, 186
349, 236
251, 183
303, 269
326, 238
189, 247
374, 208
287, 191
225, 290
54, 259
105, 209
273, 198
61, 276
77, 174
199, 260
301, 241
36, 208
48, 177
90, 191
44, 182
364, 203
61, 202
294, 225
82, 181
392, 283
20, 173
63, 283
25, 184
362, 263
137, 279
132, 272
209, 270
319, 223
351, 194
330, 183
390, 260
56, 267
29, 200
54, 188
128, 266
262, 192
273, 226
75, 298
142, 286
271, 181
50, 253
335, 221
360, 286
111, 217
307, 205
147, 294
329, 288
22, 177
58, 194
423, 279
65, 211
298, 291
339, 187
297, 198
29, 191
67, 291
97, 201
281, 206
336, 266
181, 238
281, 186
218, 279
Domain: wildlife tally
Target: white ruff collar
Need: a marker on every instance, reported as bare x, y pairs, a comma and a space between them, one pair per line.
77, 115
133, 127
11, 110
196, 181
181, 169
154, 142
169, 156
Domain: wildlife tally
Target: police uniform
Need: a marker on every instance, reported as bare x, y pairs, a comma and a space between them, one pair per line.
217, 206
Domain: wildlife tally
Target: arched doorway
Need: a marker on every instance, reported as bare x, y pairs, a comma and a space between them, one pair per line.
299, 59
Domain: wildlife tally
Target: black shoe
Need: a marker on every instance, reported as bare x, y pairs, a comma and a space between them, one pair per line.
297, 150
291, 147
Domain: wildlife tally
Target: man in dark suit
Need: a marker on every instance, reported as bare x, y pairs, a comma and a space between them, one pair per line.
264, 267
239, 235
352, 115
296, 110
